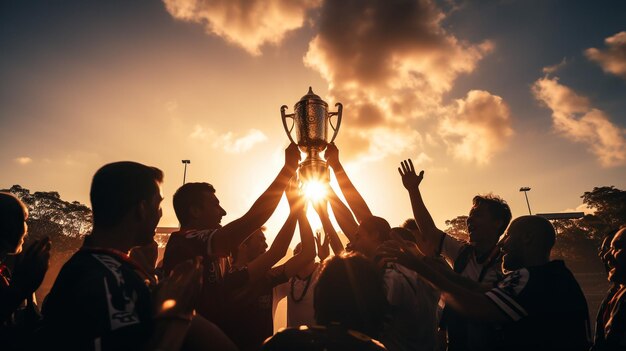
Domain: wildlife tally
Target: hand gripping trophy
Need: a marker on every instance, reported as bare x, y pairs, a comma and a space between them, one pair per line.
311, 119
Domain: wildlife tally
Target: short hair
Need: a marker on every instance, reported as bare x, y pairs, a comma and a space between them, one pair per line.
117, 187
13, 213
350, 291
377, 225
498, 208
409, 224
404, 233
187, 196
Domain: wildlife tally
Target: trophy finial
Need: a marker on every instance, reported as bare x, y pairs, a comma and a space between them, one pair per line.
310, 91
310, 95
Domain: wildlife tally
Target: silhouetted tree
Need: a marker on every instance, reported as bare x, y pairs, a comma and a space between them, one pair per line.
457, 227
66, 223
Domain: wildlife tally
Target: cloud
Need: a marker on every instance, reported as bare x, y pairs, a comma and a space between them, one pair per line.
554, 68
575, 118
479, 128
24, 160
229, 142
613, 59
247, 23
390, 63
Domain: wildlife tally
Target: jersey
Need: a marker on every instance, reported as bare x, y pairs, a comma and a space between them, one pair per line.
462, 333
546, 308
188, 244
299, 294
99, 301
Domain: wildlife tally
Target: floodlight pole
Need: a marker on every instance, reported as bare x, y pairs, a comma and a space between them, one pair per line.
526, 189
185, 162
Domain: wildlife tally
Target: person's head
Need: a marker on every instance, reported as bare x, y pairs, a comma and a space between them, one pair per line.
350, 292
127, 194
409, 224
617, 257
404, 233
197, 206
13, 228
372, 232
529, 240
254, 246
605, 249
488, 219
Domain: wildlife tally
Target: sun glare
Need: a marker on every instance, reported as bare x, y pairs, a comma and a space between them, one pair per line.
314, 190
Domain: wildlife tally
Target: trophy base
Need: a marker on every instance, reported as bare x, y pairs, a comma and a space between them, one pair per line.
314, 169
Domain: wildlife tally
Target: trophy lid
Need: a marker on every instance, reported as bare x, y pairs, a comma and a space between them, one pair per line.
310, 95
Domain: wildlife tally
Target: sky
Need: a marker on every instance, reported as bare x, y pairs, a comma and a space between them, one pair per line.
484, 96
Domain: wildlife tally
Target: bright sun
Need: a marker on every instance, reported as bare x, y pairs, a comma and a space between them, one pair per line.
314, 190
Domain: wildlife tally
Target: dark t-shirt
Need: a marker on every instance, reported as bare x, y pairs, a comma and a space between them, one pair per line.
98, 302
319, 338
249, 319
546, 307
186, 245
611, 322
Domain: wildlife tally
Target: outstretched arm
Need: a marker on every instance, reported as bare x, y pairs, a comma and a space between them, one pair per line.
431, 236
354, 198
262, 264
465, 296
297, 262
343, 215
330, 234
227, 239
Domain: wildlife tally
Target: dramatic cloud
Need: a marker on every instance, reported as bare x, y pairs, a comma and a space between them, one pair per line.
390, 62
229, 142
613, 59
23, 160
555, 68
576, 119
479, 128
247, 23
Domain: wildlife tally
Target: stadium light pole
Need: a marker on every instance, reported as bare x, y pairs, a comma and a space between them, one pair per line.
185, 162
526, 189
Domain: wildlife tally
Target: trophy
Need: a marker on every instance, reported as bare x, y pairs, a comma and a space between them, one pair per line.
311, 119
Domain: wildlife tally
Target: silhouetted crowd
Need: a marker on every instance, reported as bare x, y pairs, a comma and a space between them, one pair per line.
411, 287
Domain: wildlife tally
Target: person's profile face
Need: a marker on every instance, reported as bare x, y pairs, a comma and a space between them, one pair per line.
212, 212
512, 249
153, 213
617, 257
481, 225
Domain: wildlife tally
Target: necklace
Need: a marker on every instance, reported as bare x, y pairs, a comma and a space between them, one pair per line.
306, 287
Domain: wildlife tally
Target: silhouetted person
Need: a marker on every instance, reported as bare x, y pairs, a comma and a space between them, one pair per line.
350, 308
479, 259
19, 282
299, 289
252, 278
539, 303
611, 321
199, 212
412, 317
101, 299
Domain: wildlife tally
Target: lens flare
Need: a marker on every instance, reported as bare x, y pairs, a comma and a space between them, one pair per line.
314, 190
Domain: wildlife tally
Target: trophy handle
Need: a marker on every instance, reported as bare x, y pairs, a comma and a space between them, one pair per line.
284, 117
338, 114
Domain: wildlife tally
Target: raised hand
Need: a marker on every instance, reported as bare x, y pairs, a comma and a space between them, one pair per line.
31, 266
292, 156
178, 294
332, 156
410, 180
323, 247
